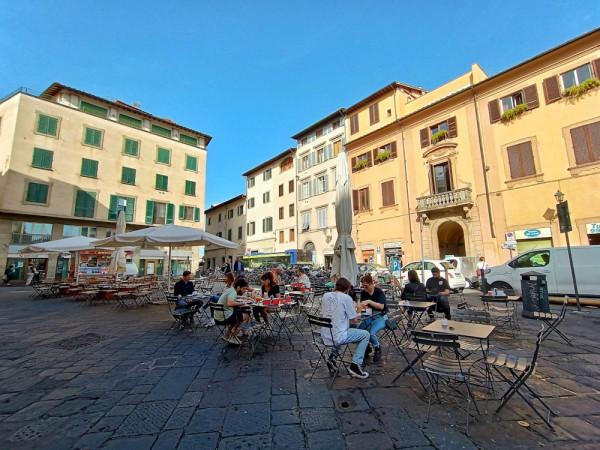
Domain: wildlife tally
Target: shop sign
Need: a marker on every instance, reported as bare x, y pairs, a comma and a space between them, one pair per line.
533, 233
593, 228
392, 244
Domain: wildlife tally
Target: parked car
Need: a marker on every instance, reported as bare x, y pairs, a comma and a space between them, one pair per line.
467, 265
456, 280
376, 270
554, 263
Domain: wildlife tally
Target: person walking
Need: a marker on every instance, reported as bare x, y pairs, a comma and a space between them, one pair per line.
482, 267
9, 274
238, 267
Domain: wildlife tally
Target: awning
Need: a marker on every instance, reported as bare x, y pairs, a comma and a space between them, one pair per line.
28, 255
268, 255
148, 253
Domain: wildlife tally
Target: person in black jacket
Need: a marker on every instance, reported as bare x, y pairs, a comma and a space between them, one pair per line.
414, 290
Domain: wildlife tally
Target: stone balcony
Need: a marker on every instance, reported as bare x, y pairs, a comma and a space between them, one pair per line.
444, 200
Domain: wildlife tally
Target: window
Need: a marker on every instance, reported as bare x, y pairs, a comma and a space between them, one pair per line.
93, 137
385, 152
37, 193
113, 208
240, 210
47, 125
281, 237
130, 121
186, 212
76, 230
322, 184
266, 197
292, 235
208, 220
362, 161
85, 204
306, 221
576, 76
540, 258
189, 140
354, 124
374, 113
131, 147
320, 155
319, 132
89, 168
441, 177
322, 217
30, 232
281, 190
291, 186
520, 160
190, 188
291, 210
229, 234
240, 234
220, 217
335, 124
191, 163
281, 213
267, 224
286, 164
158, 213
42, 159
306, 190
128, 175
303, 141
251, 229
251, 182
586, 143
305, 162
443, 126
162, 182
251, 203
439, 132
219, 234
93, 109
337, 148
511, 101
360, 200
387, 193
161, 131
267, 174
163, 155
230, 214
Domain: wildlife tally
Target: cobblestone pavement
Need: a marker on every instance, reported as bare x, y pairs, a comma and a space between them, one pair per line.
75, 376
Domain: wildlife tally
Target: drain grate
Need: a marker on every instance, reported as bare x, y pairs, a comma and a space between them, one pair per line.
83, 340
37, 430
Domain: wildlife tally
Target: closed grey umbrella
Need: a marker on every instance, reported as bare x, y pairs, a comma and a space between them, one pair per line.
118, 261
344, 260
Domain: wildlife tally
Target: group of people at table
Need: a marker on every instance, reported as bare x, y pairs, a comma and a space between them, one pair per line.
344, 306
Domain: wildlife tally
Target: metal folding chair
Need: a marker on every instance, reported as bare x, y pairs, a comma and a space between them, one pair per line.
552, 321
181, 316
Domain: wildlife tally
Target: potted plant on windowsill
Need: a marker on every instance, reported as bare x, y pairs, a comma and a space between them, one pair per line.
360, 164
439, 136
513, 113
582, 88
383, 156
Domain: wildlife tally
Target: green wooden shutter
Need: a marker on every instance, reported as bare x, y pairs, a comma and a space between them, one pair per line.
37, 193
85, 203
196, 214
190, 140
93, 109
190, 187
149, 211
162, 182
161, 131
93, 137
112, 208
131, 121
191, 163
127, 175
163, 155
129, 209
89, 168
47, 125
170, 212
42, 159
181, 212
131, 147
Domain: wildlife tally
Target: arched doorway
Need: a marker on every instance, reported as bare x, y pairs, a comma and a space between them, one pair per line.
451, 239
309, 252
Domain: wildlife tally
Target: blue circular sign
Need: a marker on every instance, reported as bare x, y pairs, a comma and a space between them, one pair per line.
532, 233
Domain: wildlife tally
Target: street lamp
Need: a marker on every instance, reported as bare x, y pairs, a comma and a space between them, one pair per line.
564, 221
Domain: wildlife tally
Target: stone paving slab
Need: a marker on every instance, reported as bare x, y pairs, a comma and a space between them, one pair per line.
122, 380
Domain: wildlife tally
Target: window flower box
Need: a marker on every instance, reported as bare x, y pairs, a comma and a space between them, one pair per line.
439, 136
383, 156
582, 88
361, 164
513, 113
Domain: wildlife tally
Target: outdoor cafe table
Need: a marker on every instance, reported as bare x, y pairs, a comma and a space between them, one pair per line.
418, 308
280, 319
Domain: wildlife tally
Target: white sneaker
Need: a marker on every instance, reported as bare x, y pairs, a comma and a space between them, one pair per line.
209, 323
357, 372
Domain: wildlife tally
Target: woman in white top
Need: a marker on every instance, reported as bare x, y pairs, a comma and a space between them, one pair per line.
302, 278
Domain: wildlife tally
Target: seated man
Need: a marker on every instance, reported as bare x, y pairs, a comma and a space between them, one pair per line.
374, 298
302, 278
438, 289
182, 289
232, 315
338, 307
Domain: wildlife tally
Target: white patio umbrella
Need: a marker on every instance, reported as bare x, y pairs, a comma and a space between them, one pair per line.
166, 235
344, 261
118, 260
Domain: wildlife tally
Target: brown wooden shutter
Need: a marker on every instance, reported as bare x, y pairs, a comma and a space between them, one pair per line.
387, 193
374, 113
353, 164
596, 67
494, 110
367, 199
520, 160
514, 162
424, 137
452, 131
370, 159
375, 156
354, 201
579, 145
527, 161
393, 150
354, 124
551, 89
531, 97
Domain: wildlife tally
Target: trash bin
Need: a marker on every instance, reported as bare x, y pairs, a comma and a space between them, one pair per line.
534, 289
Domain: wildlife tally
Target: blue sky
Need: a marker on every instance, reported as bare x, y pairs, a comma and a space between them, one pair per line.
253, 73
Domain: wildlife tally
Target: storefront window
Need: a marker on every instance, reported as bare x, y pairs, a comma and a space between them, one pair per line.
30, 232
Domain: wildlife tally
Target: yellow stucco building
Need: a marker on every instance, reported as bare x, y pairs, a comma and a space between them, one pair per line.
66, 159
477, 161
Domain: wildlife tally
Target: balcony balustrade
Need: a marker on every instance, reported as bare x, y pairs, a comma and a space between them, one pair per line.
443, 200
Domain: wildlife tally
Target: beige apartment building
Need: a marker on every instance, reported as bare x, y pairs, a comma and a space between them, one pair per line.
226, 220
476, 162
317, 149
66, 159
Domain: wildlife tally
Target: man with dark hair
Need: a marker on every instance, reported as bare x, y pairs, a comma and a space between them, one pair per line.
339, 307
231, 316
184, 288
438, 289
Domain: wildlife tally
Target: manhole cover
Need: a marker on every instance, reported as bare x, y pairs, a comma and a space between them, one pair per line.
36, 430
83, 340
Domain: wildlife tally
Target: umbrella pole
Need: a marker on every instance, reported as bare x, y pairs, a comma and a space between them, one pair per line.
169, 276
77, 267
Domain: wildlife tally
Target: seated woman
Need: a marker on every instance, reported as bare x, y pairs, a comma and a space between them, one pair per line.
374, 298
231, 315
269, 289
414, 290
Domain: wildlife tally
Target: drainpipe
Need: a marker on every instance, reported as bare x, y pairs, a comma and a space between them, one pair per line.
483, 165
407, 192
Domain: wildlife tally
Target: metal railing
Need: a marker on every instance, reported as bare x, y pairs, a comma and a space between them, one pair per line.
27, 239
22, 90
445, 199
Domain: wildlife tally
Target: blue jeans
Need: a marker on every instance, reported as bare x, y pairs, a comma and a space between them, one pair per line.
361, 337
374, 325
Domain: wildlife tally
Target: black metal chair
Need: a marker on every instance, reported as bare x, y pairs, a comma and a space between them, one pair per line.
333, 355
552, 321
182, 316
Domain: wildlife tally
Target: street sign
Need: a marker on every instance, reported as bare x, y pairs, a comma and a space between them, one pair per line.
510, 236
509, 245
395, 265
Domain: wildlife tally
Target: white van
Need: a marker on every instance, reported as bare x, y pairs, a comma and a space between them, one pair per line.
554, 263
